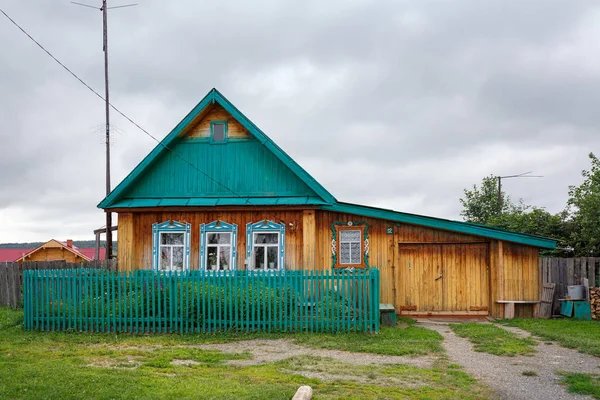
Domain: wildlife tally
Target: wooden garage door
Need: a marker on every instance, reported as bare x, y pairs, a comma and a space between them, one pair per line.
443, 277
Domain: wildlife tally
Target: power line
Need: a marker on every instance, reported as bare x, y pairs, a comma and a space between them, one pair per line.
248, 202
119, 111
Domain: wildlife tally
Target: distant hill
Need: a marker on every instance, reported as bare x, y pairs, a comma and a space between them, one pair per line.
82, 244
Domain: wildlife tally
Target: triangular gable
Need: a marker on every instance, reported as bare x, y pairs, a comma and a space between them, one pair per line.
53, 243
113, 199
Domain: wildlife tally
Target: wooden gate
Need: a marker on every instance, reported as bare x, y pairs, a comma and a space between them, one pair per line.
446, 278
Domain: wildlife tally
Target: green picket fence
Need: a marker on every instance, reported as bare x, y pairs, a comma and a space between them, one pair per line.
197, 301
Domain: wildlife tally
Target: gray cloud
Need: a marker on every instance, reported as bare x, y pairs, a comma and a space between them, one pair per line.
400, 104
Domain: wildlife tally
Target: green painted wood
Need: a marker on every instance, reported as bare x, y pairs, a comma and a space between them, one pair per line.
174, 138
254, 301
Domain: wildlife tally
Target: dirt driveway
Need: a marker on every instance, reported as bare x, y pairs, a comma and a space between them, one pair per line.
505, 374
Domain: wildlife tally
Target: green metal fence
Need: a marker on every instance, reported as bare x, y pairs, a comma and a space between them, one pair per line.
196, 301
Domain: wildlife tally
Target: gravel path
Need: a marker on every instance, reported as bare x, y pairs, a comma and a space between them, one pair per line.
505, 374
265, 351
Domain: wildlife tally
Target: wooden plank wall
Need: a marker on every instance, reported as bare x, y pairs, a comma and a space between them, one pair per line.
11, 276
54, 254
521, 276
568, 271
379, 246
217, 113
514, 276
137, 234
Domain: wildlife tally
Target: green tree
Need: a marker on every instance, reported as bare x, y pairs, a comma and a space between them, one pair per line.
583, 208
480, 204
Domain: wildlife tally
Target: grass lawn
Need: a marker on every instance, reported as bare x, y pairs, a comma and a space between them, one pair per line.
491, 339
571, 333
108, 366
412, 340
587, 384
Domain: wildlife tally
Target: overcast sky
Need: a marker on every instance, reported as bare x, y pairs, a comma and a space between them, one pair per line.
398, 104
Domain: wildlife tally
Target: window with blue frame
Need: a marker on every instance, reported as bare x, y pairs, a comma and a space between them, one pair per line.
218, 246
171, 246
265, 245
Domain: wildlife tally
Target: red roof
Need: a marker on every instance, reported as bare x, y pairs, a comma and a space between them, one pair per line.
12, 254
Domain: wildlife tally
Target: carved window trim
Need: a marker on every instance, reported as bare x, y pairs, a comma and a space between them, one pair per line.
336, 227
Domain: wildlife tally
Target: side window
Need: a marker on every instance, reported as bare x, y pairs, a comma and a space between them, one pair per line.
218, 246
265, 246
171, 246
350, 245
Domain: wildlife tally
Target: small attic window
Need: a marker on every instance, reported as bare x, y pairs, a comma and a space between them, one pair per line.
218, 131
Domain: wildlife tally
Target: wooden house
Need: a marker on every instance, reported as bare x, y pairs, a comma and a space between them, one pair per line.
54, 250
217, 194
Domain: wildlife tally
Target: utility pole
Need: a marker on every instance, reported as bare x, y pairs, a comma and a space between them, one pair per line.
107, 106
523, 175
104, 9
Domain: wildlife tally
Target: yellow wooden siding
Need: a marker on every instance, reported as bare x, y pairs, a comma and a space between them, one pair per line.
443, 277
472, 278
378, 247
126, 242
141, 229
217, 113
54, 254
521, 276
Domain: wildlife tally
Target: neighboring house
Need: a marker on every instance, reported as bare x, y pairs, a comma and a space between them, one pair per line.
53, 250
217, 194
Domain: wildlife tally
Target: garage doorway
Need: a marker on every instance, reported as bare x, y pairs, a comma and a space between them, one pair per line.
443, 278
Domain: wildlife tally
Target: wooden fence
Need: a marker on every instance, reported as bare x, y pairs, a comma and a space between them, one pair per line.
568, 271
11, 276
198, 301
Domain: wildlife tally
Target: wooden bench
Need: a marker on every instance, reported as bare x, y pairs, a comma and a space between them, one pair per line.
509, 307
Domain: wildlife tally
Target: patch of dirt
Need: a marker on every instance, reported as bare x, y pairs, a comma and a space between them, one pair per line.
185, 363
122, 347
130, 363
266, 351
378, 380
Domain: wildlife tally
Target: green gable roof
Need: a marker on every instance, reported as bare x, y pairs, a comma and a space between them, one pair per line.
257, 172
180, 172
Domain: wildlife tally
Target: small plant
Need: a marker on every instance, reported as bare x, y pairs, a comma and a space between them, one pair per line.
212, 260
529, 373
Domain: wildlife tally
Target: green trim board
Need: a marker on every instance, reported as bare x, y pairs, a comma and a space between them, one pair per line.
213, 96
217, 201
439, 223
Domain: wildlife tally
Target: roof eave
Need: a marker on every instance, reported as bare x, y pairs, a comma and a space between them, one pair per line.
439, 223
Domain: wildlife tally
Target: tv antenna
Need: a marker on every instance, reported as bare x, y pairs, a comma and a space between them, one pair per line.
104, 8
523, 175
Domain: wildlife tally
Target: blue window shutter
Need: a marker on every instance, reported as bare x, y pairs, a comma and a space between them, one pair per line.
155, 246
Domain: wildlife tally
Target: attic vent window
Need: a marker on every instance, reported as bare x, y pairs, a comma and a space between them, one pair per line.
218, 131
